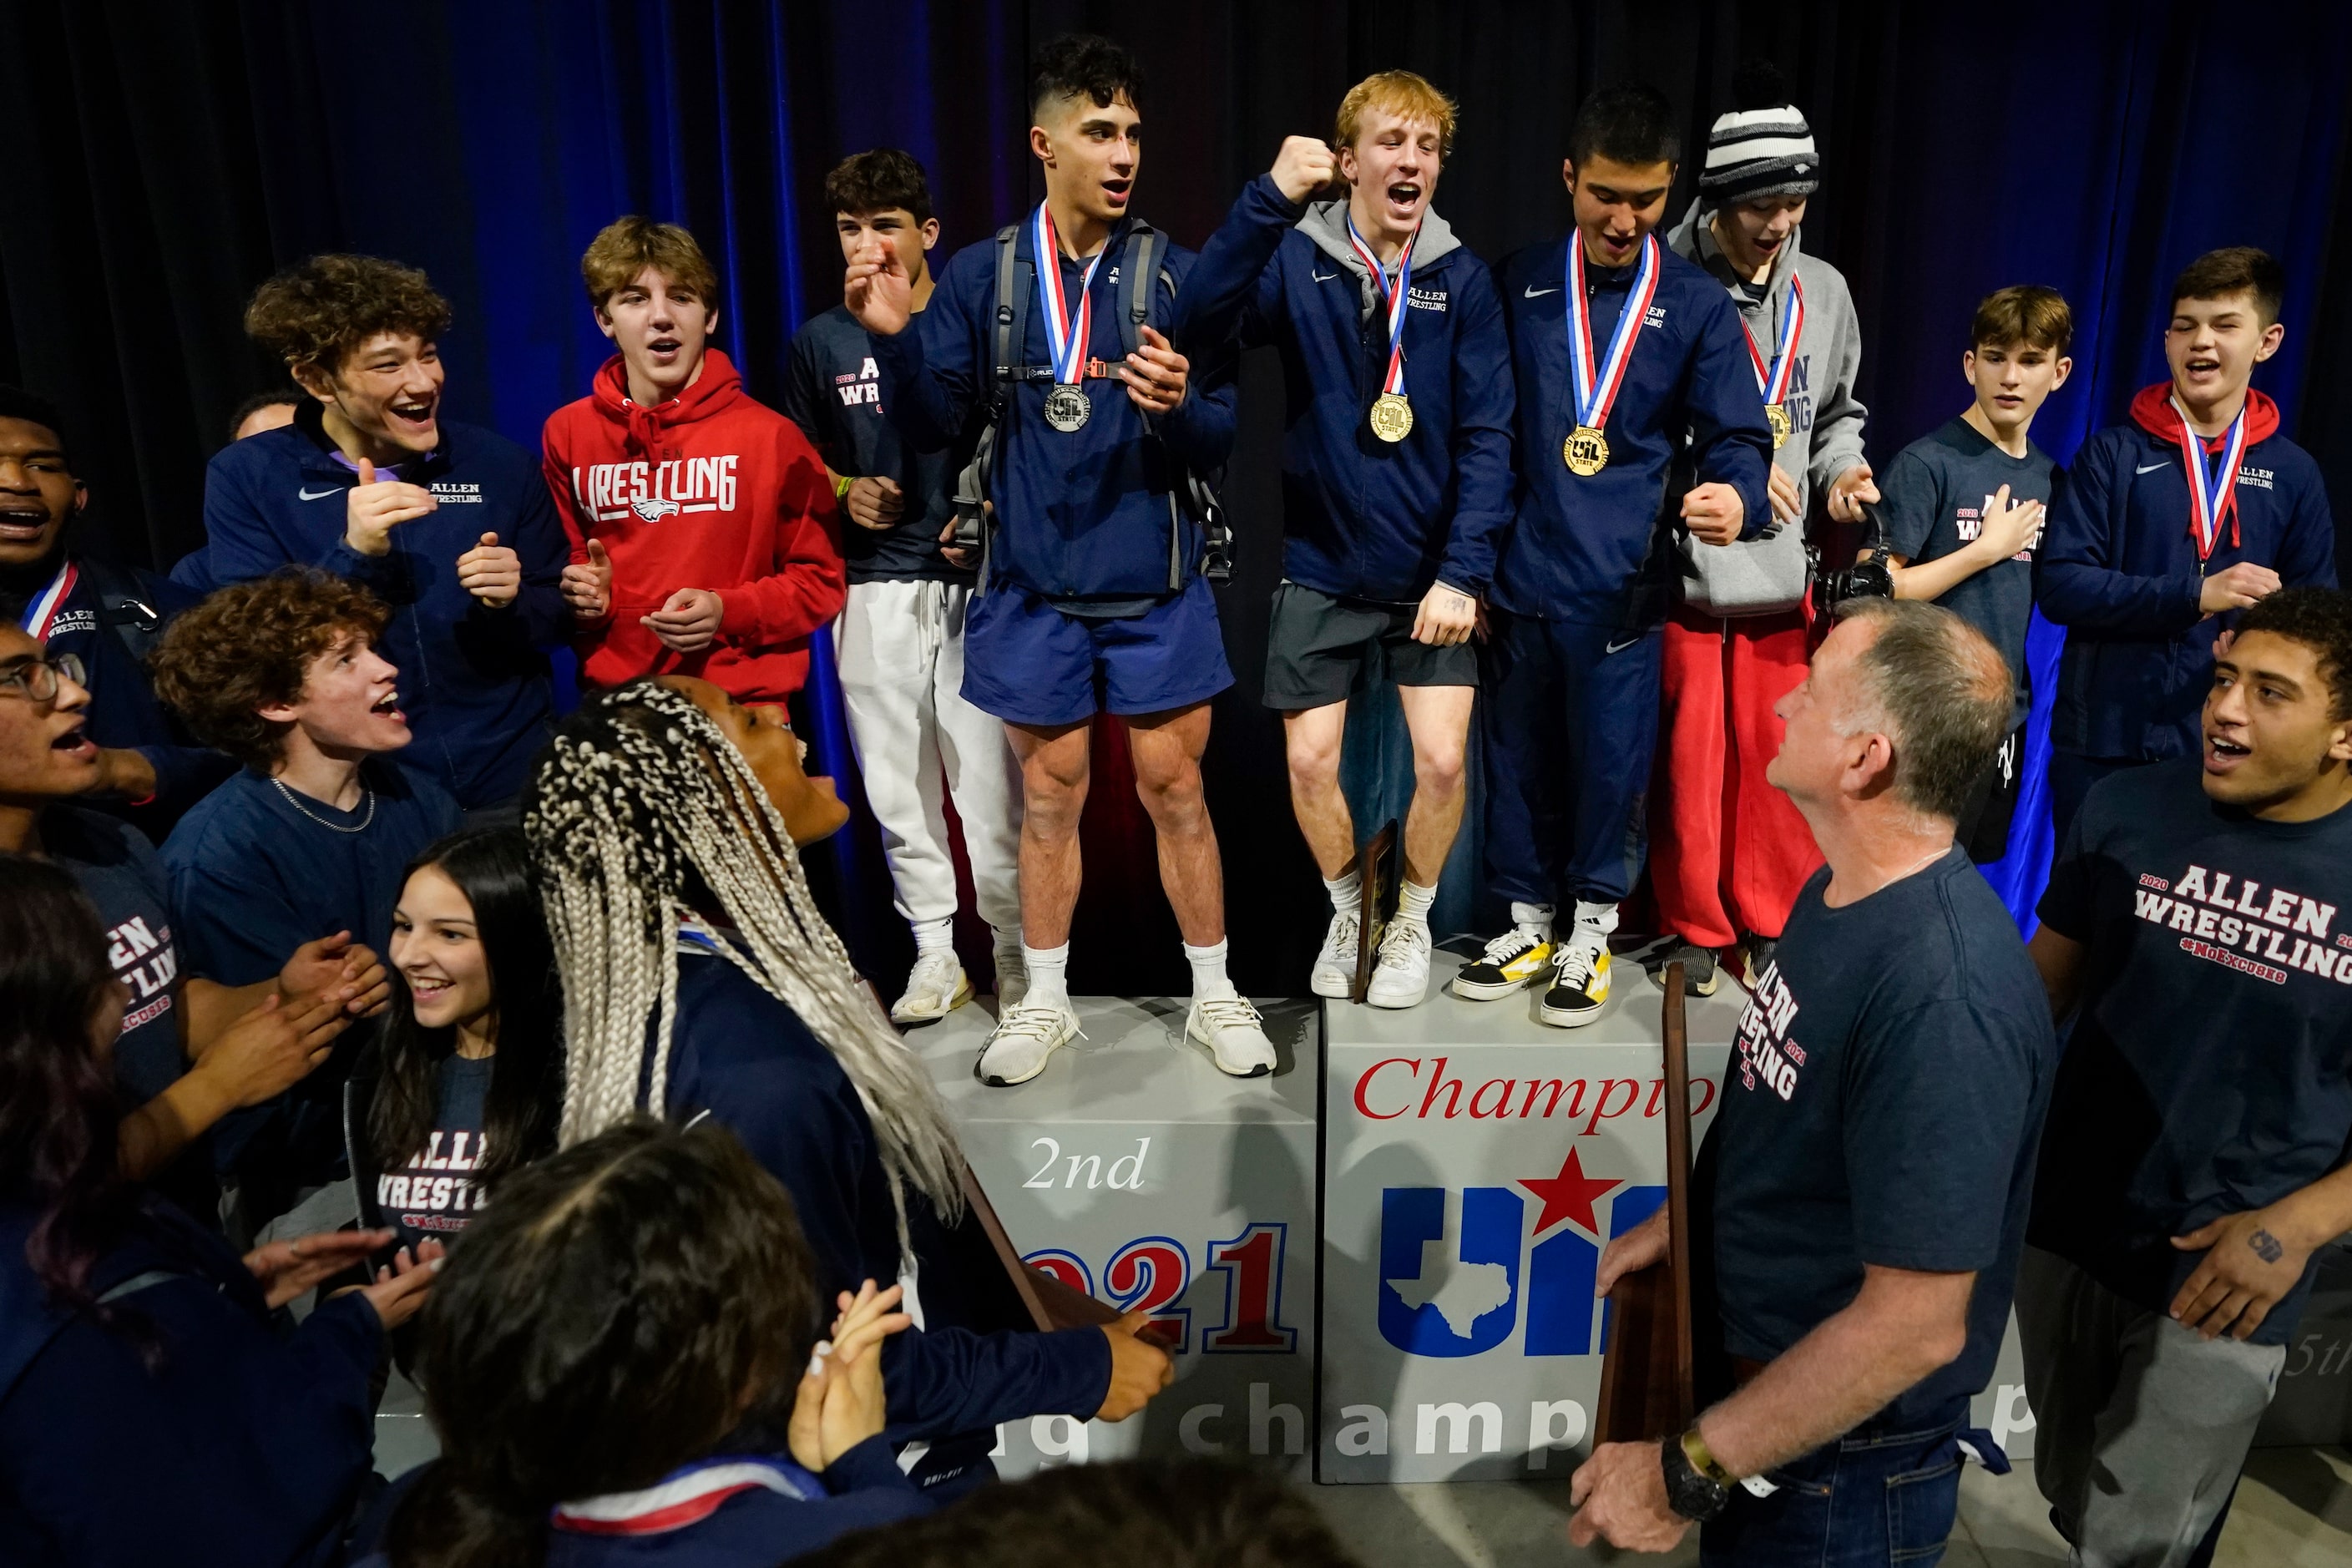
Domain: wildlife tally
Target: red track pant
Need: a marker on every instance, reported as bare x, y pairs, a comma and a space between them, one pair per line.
1728, 854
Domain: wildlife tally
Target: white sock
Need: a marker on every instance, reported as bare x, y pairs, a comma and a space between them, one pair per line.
1536, 918
1595, 922
935, 936
1049, 985
1208, 964
1347, 891
1413, 901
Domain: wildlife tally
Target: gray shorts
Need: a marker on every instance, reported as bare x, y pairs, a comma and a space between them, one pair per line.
1321, 649
2140, 1425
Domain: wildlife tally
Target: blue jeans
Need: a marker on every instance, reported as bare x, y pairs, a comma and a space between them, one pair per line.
1877, 1496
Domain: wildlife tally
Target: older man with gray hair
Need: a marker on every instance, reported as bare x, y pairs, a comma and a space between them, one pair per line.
1862, 1195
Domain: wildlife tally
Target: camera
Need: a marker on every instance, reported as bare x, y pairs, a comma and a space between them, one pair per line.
1871, 579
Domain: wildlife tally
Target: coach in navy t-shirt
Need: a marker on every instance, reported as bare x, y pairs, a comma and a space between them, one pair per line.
2194, 1163
1862, 1195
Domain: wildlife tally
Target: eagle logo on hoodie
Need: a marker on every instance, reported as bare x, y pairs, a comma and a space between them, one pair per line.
653, 509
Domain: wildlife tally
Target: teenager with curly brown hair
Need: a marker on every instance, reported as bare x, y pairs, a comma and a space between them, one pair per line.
313, 836
448, 523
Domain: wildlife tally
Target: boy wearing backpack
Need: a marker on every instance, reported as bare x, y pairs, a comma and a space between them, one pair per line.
1091, 594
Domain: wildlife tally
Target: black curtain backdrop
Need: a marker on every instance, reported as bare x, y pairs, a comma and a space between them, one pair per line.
166, 157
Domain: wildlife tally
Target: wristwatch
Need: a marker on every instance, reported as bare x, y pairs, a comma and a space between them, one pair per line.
1696, 1487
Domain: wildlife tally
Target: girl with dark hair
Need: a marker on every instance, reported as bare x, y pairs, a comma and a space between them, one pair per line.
700, 979
465, 1081
150, 1409
614, 1356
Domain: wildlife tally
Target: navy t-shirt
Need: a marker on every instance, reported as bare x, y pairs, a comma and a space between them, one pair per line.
257, 871
2210, 1070
430, 1195
834, 394
1882, 1108
124, 877
1938, 492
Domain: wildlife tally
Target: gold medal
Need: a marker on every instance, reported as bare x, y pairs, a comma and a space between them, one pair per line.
1392, 416
1777, 414
1586, 451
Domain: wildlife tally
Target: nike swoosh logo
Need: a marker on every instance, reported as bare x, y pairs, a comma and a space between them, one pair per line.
2152, 468
1321, 277
1534, 292
306, 493
1621, 646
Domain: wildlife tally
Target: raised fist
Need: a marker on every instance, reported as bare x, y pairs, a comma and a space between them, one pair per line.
1304, 166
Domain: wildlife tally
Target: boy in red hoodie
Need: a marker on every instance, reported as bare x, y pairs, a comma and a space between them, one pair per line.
702, 522
2170, 524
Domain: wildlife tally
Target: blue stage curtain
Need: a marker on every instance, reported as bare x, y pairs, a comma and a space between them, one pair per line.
169, 157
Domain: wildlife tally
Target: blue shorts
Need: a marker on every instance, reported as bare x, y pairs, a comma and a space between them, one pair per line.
1027, 662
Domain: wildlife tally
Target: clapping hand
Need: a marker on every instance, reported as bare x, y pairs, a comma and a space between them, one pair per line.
491, 572
841, 1402
587, 586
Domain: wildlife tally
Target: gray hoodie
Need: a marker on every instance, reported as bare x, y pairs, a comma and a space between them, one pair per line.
1767, 575
1326, 224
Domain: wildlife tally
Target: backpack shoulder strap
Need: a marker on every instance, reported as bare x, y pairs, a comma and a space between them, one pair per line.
122, 606
1145, 246
1012, 312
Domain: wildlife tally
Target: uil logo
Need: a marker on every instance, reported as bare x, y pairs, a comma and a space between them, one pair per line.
1457, 1275
653, 509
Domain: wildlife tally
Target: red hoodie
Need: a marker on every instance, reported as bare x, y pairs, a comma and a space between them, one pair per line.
710, 490
2152, 410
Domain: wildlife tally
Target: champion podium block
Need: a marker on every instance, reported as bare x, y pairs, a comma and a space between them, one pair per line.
1135, 1172
1475, 1161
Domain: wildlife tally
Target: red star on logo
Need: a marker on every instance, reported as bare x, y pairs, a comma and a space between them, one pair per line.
1569, 1196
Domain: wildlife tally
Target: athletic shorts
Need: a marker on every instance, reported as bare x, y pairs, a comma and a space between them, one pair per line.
1983, 825
1321, 649
1027, 661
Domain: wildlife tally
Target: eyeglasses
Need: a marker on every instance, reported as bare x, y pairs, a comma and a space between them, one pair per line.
38, 678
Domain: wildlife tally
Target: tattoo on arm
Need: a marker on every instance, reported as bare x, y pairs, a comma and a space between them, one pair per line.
2266, 1247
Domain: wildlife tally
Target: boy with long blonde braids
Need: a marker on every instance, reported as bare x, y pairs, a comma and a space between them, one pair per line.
699, 979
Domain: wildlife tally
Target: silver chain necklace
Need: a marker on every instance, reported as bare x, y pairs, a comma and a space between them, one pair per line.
295, 802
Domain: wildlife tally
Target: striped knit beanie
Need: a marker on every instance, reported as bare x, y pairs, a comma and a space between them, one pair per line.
1764, 148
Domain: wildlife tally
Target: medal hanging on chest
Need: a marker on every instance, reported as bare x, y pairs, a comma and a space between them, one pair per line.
1772, 381
2212, 485
1391, 416
1068, 407
41, 612
1586, 450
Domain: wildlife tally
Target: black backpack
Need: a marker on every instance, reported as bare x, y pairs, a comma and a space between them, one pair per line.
1016, 281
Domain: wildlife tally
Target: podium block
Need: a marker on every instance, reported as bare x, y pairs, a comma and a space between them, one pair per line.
1475, 1161
1135, 1172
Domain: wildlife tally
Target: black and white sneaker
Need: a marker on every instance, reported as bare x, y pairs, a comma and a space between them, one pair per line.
1700, 976
1579, 983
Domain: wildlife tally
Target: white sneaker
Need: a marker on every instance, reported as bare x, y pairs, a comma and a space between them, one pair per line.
1011, 976
1025, 1037
1402, 978
935, 988
1234, 1035
1335, 967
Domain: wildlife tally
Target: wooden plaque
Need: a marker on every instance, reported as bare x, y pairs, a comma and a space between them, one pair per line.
1646, 1382
1377, 862
1050, 1304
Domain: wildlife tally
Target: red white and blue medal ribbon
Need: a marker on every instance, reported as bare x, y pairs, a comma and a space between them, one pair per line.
2212, 487
684, 1497
1772, 381
1065, 332
42, 611
1596, 386
1394, 298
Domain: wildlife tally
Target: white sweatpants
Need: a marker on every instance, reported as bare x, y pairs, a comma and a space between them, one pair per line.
899, 649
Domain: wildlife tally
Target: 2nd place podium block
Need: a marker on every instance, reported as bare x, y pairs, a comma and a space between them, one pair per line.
1135, 1172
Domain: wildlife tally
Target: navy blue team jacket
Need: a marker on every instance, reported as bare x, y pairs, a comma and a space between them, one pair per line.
1578, 546
1077, 515
474, 686
1365, 518
747, 1059
244, 1447
2118, 569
